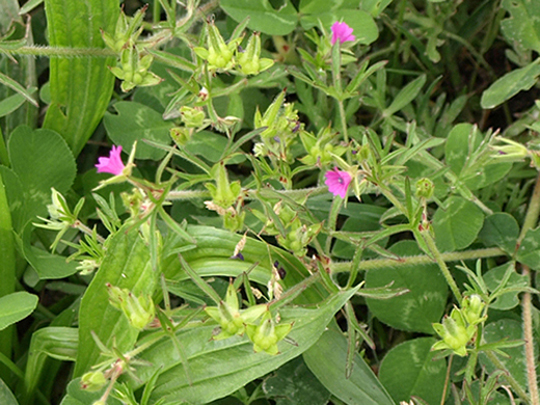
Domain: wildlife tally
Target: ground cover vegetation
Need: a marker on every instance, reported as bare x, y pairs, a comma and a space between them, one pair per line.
269, 202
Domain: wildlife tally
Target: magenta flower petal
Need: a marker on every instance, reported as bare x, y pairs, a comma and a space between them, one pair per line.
112, 164
338, 182
342, 32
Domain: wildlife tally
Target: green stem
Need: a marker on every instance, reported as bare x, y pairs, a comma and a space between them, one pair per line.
4, 157
7, 270
530, 221
250, 194
332, 220
64, 52
376, 264
343, 117
442, 264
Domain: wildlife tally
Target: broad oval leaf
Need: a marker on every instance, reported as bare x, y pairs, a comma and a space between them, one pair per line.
457, 226
262, 15
422, 305
409, 369
501, 230
15, 307
51, 165
529, 249
136, 122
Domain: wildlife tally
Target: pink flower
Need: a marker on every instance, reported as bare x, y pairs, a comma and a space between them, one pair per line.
338, 182
342, 32
112, 164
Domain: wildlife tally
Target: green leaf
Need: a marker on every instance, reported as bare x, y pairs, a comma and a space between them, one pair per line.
294, 384
262, 15
42, 160
10, 104
426, 300
405, 96
9, 82
409, 369
127, 265
523, 26
321, 6
501, 230
327, 359
135, 122
510, 84
15, 197
461, 149
529, 249
6, 396
458, 225
234, 363
46, 264
210, 146
15, 307
364, 28
80, 87
59, 343
511, 330
29, 6
516, 281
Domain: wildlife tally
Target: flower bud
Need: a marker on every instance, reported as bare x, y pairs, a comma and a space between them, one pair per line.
140, 311
472, 308
180, 135
267, 334
454, 332
424, 188
192, 117
93, 381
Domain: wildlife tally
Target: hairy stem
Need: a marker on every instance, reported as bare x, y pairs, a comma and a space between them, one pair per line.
250, 194
64, 52
442, 265
529, 223
419, 260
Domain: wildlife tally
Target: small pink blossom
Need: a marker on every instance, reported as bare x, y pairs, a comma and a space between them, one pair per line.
343, 32
338, 182
112, 164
